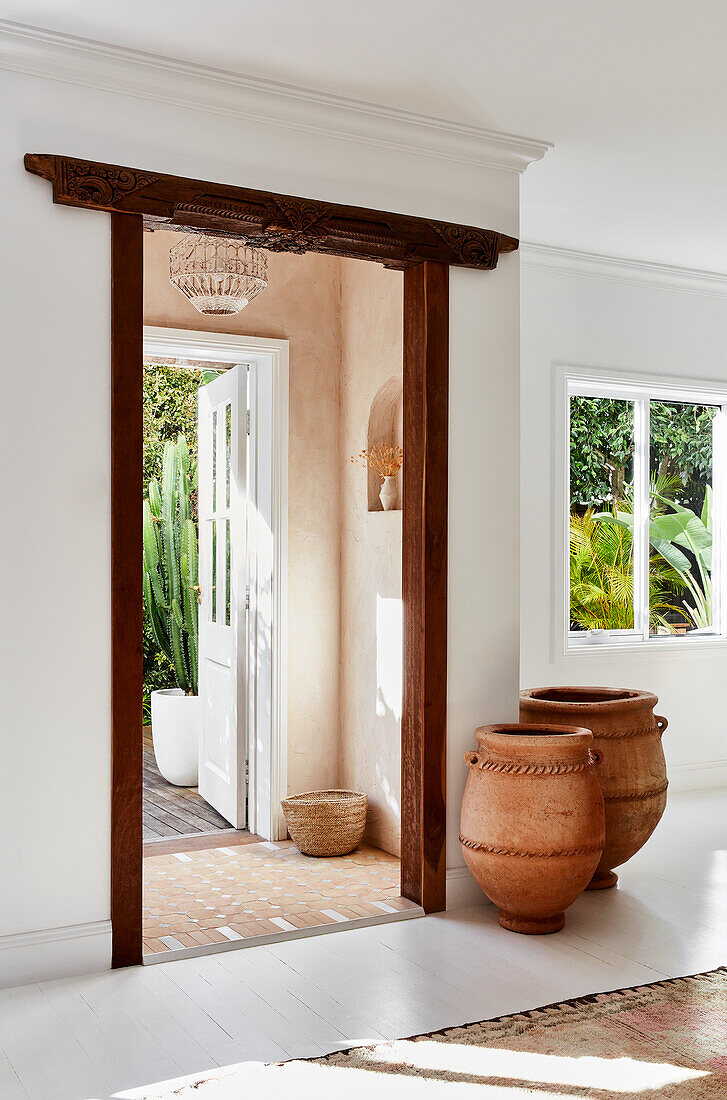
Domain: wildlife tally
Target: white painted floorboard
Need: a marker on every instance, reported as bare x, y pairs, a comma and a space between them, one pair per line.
112, 1034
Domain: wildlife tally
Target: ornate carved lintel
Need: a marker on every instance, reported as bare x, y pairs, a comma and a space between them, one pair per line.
472, 247
101, 185
279, 223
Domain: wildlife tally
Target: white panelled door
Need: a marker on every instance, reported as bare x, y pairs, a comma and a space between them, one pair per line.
222, 471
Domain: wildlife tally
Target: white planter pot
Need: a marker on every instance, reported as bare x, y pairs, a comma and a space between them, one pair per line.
175, 721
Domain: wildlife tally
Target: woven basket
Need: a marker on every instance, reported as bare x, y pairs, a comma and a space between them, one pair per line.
326, 823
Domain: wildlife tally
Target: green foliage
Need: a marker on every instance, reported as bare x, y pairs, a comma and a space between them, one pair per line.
601, 462
171, 565
602, 442
601, 449
170, 409
681, 447
601, 577
670, 534
158, 669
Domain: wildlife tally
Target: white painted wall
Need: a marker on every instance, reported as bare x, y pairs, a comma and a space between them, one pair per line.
54, 436
611, 318
484, 502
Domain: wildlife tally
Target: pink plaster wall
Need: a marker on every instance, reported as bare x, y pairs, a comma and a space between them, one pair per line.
343, 319
370, 695
302, 305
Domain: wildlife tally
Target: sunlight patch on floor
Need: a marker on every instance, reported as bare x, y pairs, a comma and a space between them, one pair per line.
620, 1075
405, 1070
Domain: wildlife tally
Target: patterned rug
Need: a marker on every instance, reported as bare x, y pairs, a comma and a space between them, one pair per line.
667, 1040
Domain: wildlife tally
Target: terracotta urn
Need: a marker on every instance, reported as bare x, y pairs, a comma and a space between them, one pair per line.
627, 735
532, 827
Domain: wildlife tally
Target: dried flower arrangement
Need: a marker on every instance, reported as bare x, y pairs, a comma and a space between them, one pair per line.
383, 458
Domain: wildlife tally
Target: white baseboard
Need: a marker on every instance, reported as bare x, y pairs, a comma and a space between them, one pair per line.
706, 775
462, 890
55, 953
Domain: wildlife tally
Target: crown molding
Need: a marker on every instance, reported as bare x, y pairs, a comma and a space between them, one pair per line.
80, 61
593, 265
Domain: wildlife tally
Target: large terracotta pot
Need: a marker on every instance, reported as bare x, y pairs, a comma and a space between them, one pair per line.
627, 734
532, 828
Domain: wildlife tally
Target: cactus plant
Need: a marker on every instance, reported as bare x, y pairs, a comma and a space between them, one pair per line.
171, 564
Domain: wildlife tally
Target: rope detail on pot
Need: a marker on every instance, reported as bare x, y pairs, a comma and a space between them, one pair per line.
624, 735
508, 767
478, 846
636, 796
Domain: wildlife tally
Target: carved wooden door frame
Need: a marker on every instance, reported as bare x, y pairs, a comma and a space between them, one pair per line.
424, 250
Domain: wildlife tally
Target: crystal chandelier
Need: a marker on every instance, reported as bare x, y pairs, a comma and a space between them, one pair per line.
217, 274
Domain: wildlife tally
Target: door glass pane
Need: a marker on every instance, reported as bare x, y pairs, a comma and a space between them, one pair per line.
221, 577
213, 572
228, 452
680, 517
601, 514
227, 572
214, 460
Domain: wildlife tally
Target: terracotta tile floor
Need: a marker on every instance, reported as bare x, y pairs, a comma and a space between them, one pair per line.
217, 894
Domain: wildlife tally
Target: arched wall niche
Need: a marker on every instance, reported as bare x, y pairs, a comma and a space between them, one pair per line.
386, 425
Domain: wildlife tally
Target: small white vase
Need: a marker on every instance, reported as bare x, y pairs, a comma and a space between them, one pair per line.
175, 719
389, 495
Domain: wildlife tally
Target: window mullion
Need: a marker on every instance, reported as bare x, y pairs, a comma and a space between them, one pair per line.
641, 517
719, 520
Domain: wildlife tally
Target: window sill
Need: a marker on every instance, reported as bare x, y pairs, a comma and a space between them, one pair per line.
665, 644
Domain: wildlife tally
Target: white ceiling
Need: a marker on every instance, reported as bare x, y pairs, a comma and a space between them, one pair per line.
633, 93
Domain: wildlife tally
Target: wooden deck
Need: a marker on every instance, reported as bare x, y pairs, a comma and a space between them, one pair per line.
170, 811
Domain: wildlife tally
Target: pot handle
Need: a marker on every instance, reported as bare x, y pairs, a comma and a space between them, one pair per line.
471, 758
596, 756
661, 723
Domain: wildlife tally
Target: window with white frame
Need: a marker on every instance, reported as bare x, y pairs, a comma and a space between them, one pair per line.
644, 522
